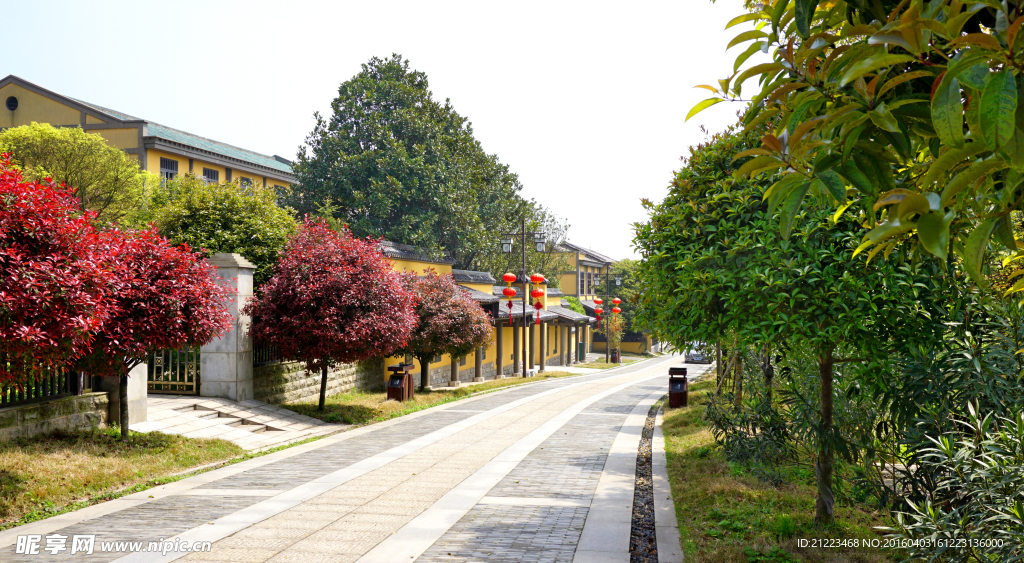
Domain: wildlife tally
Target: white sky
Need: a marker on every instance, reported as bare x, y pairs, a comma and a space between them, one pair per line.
585, 101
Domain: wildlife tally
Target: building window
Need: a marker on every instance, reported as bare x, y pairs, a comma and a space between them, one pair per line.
245, 182
12, 103
462, 361
582, 283
168, 168
211, 176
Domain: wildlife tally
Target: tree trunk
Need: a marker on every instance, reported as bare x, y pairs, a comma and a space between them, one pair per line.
737, 373
323, 386
719, 368
768, 371
122, 393
823, 515
424, 372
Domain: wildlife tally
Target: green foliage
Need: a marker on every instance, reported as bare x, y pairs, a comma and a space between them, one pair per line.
396, 163
905, 116
105, 178
226, 217
575, 305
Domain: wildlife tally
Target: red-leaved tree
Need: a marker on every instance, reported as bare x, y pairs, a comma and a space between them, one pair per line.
450, 322
332, 299
53, 284
162, 297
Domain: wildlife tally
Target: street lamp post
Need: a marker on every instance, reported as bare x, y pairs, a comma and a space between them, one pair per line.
539, 241
615, 310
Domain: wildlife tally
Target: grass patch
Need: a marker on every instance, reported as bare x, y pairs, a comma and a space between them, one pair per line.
601, 364
42, 477
726, 514
364, 407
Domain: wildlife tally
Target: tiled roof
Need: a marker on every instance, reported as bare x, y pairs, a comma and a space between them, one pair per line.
596, 255
409, 252
195, 141
569, 314
554, 292
517, 312
470, 276
478, 295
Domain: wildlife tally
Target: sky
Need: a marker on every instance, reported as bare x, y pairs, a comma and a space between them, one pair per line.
584, 101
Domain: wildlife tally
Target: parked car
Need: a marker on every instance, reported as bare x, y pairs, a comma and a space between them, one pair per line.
697, 357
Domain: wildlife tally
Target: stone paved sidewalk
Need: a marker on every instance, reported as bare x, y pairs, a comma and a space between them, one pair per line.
540, 472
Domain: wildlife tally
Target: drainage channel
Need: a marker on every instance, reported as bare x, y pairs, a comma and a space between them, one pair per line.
643, 543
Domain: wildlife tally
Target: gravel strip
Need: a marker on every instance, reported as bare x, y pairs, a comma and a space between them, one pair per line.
643, 543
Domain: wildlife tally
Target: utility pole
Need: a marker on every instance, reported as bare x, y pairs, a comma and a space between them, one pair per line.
539, 239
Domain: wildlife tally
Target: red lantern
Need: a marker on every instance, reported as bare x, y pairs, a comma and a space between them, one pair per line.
599, 311
537, 278
599, 318
598, 300
616, 301
537, 293
508, 278
536, 317
509, 292
616, 310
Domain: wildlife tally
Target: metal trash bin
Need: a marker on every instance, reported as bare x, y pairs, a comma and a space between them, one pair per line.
616, 356
678, 388
400, 385
581, 355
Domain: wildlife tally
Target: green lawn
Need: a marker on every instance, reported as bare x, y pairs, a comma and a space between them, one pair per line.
41, 477
728, 515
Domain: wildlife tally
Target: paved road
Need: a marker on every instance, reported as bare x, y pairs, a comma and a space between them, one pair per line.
537, 473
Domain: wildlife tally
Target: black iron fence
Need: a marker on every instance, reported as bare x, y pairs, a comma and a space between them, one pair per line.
263, 354
46, 386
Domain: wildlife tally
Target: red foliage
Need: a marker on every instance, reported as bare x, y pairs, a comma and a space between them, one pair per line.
332, 299
53, 284
450, 322
162, 297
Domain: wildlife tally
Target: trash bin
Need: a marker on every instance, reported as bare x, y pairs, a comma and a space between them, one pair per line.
678, 387
400, 385
580, 354
616, 359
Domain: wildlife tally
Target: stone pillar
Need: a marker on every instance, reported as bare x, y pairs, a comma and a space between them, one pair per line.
478, 374
499, 359
566, 350
455, 373
226, 362
516, 348
543, 348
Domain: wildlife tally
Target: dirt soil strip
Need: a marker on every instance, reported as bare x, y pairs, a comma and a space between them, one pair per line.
643, 544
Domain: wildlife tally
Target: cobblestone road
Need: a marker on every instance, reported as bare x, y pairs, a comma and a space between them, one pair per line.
516, 476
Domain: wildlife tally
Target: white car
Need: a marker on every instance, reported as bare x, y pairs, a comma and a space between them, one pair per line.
695, 357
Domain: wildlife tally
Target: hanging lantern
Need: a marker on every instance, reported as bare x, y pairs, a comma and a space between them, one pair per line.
598, 300
616, 310
508, 278
599, 318
537, 293
536, 317
509, 292
616, 301
599, 311
537, 278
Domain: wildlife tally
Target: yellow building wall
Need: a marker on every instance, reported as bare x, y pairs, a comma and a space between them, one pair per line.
198, 165
417, 267
91, 120
153, 157
569, 284
33, 107
127, 138
484, 287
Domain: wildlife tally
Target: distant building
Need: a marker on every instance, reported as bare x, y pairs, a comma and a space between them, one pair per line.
160, 149
586, 280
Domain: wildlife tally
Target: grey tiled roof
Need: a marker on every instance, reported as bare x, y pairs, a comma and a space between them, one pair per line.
195, 141
569, 314
409, 252
517, 312
470, 276
596, 255
478, 295
554, 292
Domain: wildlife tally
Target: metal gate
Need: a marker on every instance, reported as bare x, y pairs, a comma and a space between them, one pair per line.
174, 371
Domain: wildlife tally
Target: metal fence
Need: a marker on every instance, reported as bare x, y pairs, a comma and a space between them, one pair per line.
49, 385
263, 354
174, 371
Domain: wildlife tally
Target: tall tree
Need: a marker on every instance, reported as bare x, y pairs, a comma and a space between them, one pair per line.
106, 179
332, 299
398, 164
449, 322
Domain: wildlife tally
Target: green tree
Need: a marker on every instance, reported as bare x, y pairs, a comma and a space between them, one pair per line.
106, 179
907, 115
226, 217
396, 163
715, 264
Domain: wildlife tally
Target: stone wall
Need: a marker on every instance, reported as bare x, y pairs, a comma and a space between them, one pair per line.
288, 382
82, 412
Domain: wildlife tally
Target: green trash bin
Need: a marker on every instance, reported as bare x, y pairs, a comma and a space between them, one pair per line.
580, 353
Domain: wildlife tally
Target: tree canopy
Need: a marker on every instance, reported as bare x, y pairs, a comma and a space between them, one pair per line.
223, 217
393, 162
905, 115
106, 179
